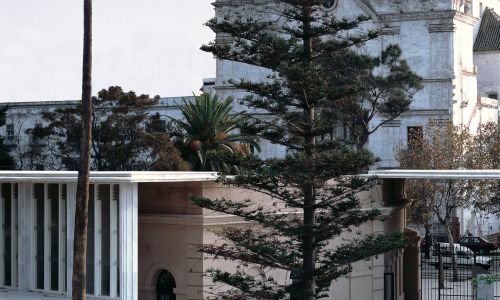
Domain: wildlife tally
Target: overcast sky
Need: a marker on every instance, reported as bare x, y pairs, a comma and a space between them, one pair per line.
149, 46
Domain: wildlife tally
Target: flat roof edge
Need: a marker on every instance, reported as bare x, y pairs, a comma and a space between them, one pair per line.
108, 176
436, 174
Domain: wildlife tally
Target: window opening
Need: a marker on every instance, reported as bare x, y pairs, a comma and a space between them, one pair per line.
8, 235
493, 96
414, 135
38, 196
10, 131
165, 286
329, 3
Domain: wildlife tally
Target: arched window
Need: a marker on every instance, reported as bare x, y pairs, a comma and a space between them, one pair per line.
165, 286
330, 3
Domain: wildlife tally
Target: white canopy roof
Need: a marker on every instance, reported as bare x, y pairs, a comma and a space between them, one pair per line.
437, 174
106, 176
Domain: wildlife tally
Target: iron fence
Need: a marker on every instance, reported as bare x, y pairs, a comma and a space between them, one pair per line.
446, 276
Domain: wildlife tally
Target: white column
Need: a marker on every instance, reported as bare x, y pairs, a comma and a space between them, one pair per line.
26, 241
46, 239
97, 241
70, 232
128, 241
113, 243
62, 239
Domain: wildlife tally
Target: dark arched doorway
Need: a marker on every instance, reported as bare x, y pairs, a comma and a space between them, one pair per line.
165, 286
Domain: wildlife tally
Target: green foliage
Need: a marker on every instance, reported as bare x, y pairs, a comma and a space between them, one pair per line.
125, 136
316, 85
208, 127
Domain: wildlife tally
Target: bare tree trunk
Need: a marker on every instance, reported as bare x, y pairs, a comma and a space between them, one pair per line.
82, 189
452, 250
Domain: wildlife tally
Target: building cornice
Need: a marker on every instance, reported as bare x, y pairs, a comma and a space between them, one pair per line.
429, 15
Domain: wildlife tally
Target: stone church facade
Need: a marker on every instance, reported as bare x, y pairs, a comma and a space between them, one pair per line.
436, 37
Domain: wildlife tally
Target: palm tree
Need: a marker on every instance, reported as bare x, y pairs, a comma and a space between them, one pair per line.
208, 127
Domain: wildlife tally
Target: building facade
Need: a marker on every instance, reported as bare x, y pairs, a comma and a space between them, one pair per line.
436, 38
144, 235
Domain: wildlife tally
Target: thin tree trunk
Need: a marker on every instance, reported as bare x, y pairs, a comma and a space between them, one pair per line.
82, 189
452, 250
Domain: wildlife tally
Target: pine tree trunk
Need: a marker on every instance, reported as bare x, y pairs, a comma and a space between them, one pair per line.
309, 261
452, 250
309, 239
82, 189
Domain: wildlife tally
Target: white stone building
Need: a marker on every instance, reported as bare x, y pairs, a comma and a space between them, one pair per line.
436, 37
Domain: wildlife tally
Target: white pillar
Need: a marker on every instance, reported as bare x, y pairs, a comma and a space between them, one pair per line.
62, 238
70, 231
46, 239
97, 241
26, 263
114, 225
128, 232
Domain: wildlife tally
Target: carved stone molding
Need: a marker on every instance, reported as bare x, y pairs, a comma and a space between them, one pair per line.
443, 27
392, 30
416, 16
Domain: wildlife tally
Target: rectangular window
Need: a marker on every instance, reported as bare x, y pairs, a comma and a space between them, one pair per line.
50, 236
468, 7
8, 235
53, 197
415, 135
39, 197
10, 131
115, 255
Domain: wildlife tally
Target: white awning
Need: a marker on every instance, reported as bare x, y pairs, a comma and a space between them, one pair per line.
436, 174
107, 176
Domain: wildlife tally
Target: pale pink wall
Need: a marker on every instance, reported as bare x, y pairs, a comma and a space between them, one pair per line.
168, 198
163, 245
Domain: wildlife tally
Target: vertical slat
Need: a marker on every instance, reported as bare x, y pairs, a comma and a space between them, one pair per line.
113, 243
46, 236
97, 241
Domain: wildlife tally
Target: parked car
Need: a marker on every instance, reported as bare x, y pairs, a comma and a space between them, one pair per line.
478, 244
463, 255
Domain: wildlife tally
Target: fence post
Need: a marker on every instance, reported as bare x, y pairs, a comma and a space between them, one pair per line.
440, 271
